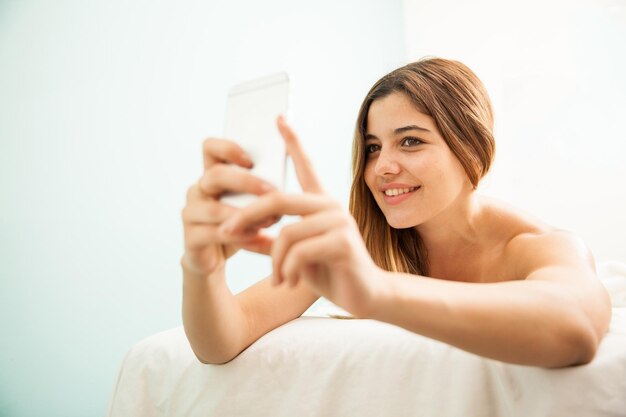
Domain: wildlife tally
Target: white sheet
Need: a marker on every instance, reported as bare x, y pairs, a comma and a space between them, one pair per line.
322, 366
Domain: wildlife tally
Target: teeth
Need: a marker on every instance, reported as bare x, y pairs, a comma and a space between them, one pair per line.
398, 191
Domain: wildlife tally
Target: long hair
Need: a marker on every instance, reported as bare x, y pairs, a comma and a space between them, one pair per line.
456, 99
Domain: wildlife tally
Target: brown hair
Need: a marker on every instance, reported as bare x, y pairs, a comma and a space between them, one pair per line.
456, 99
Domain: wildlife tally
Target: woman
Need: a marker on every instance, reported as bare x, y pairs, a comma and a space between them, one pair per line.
420, 248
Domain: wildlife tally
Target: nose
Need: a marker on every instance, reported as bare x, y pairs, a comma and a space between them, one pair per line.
386, 164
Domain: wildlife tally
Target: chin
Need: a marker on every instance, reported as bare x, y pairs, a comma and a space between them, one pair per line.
402, 223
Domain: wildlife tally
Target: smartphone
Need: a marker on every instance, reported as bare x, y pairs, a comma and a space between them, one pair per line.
251, 111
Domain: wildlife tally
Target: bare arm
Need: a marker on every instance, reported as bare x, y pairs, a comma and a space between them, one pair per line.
555, 316
220, 325
214, 322
552, 310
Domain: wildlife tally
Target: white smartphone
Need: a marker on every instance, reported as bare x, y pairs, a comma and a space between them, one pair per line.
251, 111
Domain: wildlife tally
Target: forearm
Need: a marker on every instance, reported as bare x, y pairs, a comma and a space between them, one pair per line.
525, 322
214, 322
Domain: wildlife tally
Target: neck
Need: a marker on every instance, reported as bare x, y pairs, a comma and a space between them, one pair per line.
452, 230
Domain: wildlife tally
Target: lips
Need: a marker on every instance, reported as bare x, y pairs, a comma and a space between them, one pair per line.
392, 194
399, 191
396, 186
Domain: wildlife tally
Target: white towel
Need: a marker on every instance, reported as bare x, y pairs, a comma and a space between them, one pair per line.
326, 308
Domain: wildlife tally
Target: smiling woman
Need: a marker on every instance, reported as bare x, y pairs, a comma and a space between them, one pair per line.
439, 96
420, 248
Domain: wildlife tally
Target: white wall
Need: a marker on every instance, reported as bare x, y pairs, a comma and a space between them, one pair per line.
103, 109
555, 71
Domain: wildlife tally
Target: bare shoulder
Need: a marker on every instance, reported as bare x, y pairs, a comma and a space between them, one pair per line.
530, 244
550, 249
549, 257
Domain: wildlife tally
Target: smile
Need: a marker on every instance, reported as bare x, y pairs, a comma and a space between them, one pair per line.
394, 196
399, 191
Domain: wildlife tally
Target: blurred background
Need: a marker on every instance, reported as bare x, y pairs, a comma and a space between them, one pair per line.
104, 107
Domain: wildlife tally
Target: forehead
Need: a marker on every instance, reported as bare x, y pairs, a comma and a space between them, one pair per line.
394, 111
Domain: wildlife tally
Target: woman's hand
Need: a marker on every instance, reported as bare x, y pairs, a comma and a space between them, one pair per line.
225, 170
325, 248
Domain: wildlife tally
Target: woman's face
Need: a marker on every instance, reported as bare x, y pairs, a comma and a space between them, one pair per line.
410, 170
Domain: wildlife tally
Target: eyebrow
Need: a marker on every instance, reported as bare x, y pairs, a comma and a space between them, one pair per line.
400, 130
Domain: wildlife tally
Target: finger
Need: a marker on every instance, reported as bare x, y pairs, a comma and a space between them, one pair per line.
316, 250
199, 236
222, 150
308, 227
276, 204
261, 244
304, 168
250, 230
222, 178
206, 212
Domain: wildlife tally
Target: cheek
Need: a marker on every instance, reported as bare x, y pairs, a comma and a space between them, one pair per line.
370, 181
451, 176
456, 170
441, 167
425, 168
368, 176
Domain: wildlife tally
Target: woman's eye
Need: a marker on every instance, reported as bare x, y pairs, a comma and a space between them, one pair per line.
371, 149
411, 141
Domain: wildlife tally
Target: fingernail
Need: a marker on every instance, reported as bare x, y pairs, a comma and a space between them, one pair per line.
227, 227
266, 187
247, 160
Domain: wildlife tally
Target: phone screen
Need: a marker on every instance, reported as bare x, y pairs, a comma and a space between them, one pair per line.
251, 111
